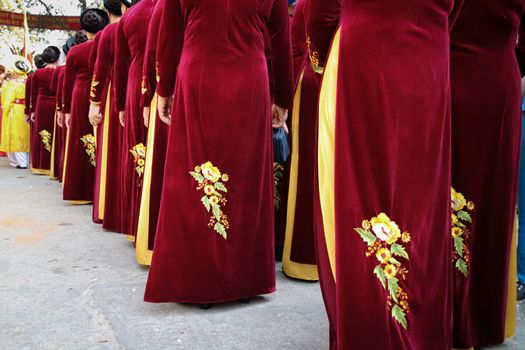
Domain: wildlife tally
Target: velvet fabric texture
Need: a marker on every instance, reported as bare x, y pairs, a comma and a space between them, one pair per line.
299, 257
57, 131
221, 89
130, 44
384, 171
79, 172
486, 129
147, 225
43, 105
100, 87
63, 129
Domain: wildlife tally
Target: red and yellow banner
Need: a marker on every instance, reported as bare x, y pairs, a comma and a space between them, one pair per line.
14, 19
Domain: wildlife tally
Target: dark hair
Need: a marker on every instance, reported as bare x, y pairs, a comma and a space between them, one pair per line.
39, 61
94, 20
129, 3
51, 54
68, 45
80, 37
113, 7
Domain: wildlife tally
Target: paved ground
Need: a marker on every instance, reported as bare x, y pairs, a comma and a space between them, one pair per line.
67, 284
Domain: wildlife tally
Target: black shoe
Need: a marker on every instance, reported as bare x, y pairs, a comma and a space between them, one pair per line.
21, 167
244, 301
205, 306
520, 291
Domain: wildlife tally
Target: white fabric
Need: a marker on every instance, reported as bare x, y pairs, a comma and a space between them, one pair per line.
20, 159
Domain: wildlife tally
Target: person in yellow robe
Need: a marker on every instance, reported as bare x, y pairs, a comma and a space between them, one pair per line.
14, 139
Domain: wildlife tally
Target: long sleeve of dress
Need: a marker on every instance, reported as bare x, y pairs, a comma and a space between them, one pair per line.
279, 30
520, 47
60, 90
94, 52
69, 83
149, 82
322, 20
458, 4
34, 91
169, 47
121, 66
103, 67
28, 95
299, 47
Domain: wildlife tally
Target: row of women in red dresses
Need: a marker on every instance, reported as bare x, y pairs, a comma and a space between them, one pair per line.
405, 140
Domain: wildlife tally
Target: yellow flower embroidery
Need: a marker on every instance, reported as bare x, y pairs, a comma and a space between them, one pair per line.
385, 240
46, 139
94, 84
314, 57
139, 158
211, 181
89, 145
278, 175
460, 232
144, 89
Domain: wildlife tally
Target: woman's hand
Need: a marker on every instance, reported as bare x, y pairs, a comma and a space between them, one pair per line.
68, 120
146, 114
279, 116
164, 106
95, 118
33, 117
121, 117
60, 118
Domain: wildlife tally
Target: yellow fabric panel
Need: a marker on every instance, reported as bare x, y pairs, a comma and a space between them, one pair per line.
65, 153
326, 147
143, 254
510, 321
293, 269
104, 160
40, 171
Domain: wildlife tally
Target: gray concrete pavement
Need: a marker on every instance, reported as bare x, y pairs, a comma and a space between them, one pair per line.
67, 284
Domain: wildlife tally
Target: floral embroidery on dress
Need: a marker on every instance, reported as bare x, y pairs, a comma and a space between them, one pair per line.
46, 139
460, 232
211, 181
278, 175
94, 84
139, 158
314, 57
89, 145
144, 89
386, 242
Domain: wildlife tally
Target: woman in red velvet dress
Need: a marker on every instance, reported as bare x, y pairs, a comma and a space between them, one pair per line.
103, 105
43, 102
214, 239
57, 134
299, 246
486, 125
384, 244
60, 121
39, 64
79, 161
129, 57
156, 152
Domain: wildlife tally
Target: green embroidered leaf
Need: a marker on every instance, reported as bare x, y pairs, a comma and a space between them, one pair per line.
458, 245
197, 176
399, 250
394, 261
392, 287
399, 315
206, 201
461, 265
216, 211
465, 216
220, 229
378, 271
459, 224
219, 186
367, 236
